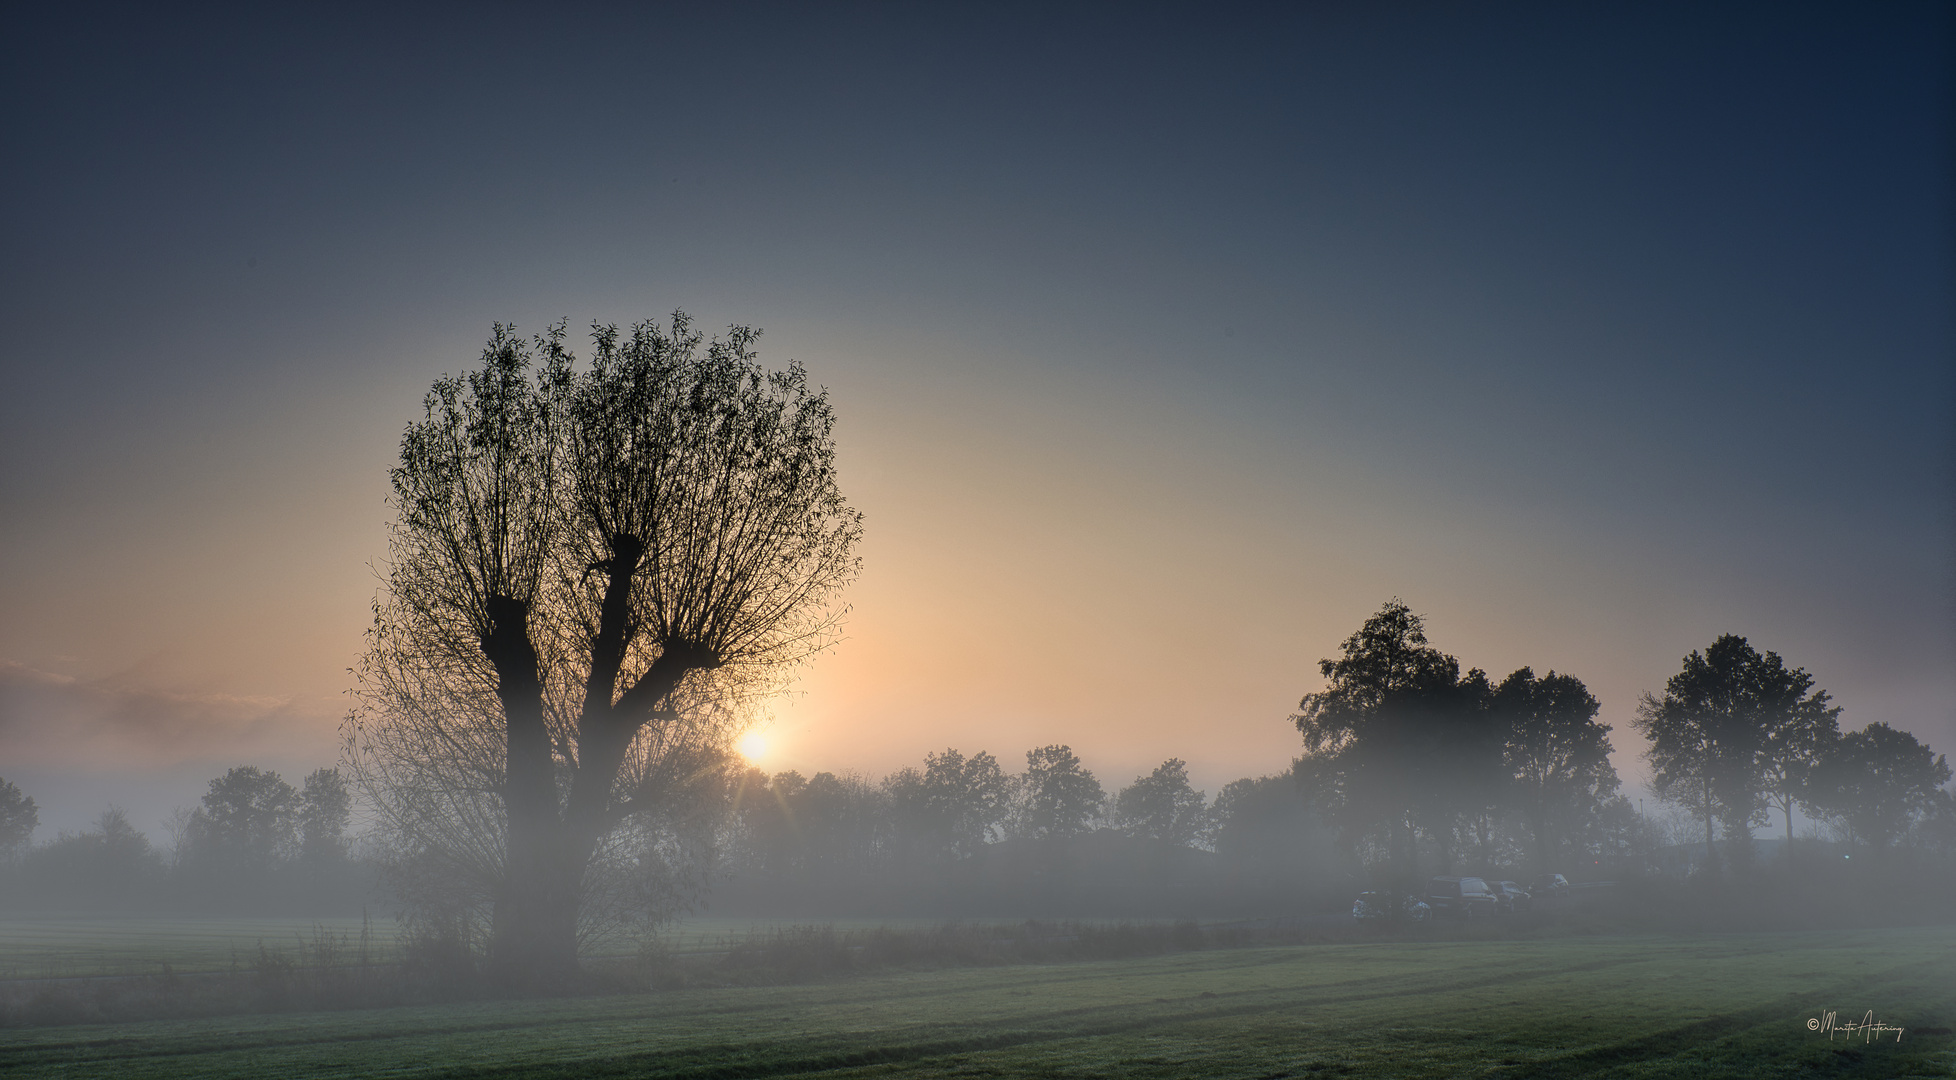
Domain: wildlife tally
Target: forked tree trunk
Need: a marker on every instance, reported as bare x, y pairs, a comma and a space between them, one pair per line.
551, 841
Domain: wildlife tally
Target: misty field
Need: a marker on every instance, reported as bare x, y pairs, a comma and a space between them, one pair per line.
51, 945
1649, 1006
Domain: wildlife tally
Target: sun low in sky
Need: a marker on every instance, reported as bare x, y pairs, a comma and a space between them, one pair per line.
753, 747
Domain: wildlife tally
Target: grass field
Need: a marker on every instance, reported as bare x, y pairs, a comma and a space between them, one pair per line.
55, 945
49, 945
1705, 1006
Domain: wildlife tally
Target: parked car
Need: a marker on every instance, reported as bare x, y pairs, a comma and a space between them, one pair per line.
1547, 884
1467, 897
1371, 906
1512, 897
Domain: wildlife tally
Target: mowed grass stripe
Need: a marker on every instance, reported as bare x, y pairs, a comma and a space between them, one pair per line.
70, 945
1070, 982
1547, 1009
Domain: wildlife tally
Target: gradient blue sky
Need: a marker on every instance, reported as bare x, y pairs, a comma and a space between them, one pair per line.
1168, 342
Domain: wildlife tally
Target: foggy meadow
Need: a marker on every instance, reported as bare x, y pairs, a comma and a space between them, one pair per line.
1371, 540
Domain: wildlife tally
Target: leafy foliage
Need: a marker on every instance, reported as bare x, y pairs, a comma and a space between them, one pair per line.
1164, 808
1732, 725
951, 809
325, 806
1876, 780
1056, 798
247, 821
1557, 757
1399, 736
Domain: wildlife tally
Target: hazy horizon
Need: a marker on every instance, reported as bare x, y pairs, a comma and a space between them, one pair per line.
1165, 349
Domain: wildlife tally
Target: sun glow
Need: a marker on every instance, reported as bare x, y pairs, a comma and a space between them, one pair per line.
753, 746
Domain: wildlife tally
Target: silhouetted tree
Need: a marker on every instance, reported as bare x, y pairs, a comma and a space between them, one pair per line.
1710, 732
951, 809
1399, 736
18, 817
1269, 824
324, 808
1557, 756
1799, 729
820, 827
1876, 779
768, 811
1164, 807
590, 570
1056, 798
247, 822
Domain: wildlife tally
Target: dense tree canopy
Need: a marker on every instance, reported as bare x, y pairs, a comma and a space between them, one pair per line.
1876, 779
1727, 731
1557, 757
951, 809
1163, 807
1399, 738
246, 821
1057, 798
325, 807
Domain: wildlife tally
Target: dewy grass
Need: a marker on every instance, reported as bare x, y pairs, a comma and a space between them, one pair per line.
52, 945
1653, 1006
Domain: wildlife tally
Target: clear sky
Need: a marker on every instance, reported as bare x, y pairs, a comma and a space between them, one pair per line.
1168, 342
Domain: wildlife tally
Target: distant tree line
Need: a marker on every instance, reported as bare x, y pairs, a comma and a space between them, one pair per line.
960, 835
1422, 767
1411, 767
254, 843
1737, 735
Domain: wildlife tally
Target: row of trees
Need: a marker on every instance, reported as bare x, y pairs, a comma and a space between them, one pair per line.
952, 809
253, 842
1401, 745
1404, 751
594, 565
1738, 734
959, 835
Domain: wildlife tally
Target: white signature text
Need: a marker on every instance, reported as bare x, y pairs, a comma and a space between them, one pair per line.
1866, 1028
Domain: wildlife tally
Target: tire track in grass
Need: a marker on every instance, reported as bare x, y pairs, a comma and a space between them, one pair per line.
1608, 1059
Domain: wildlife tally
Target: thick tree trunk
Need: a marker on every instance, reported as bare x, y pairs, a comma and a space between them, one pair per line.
550, 840
533, 932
